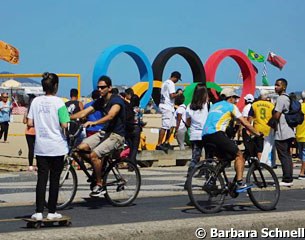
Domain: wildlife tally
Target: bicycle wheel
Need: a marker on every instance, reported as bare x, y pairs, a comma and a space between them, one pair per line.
67, 187
123, 181
265, 189
205, 189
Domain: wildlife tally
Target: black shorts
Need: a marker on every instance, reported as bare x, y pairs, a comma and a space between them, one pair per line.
225, 147
259, 142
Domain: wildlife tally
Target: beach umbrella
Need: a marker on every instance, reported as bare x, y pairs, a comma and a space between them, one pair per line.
11, 83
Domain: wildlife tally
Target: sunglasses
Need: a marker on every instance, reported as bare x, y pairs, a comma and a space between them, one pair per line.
4, 97
102, 87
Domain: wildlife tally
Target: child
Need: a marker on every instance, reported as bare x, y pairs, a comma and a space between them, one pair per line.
180, 116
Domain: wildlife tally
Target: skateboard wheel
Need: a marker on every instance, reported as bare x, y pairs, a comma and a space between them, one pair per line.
37, 225
29, 225
62, 223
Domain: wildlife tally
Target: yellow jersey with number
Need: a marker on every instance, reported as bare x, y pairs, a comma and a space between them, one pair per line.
300, 129
261, 112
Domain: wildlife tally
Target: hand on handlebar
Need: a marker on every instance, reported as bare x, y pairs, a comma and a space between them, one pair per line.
88, 124
260, 135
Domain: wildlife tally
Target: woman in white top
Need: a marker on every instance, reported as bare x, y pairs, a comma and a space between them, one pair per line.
49, 115
196, 115
180, 124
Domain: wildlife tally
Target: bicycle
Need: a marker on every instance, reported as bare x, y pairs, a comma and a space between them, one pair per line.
121, 176
208, 183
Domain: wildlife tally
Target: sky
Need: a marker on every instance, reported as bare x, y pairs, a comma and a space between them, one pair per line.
64, 36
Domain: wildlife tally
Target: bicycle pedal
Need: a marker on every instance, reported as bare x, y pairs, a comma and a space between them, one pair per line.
244, 189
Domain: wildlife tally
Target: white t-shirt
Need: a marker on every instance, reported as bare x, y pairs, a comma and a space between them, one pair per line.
168, 87
198, 119
246, 110
181, 110
48, 112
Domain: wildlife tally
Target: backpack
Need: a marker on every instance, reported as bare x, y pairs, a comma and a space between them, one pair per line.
294, 116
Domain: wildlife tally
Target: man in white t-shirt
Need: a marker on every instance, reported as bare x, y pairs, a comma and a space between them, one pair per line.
167, 101
249, 99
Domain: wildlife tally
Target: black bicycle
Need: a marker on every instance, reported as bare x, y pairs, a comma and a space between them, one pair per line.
122, 177
208, 183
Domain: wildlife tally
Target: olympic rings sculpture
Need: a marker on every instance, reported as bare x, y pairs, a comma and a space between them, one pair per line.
201, 73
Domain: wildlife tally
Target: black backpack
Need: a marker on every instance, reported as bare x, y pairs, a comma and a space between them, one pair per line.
294, 116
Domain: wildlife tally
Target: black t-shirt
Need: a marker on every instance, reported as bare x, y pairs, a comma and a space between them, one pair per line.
130, 117
72, 106
116, 125
135, 101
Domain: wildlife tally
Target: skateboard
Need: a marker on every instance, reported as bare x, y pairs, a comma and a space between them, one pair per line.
33, 223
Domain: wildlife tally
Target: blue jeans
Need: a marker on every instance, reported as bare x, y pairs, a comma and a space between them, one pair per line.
197, 146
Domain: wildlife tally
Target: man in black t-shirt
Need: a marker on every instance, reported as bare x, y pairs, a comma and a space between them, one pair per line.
112, 136
74, 105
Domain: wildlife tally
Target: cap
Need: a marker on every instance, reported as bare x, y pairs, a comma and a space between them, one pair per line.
264, 94
177, 75
303, 94
249, 98
229, 92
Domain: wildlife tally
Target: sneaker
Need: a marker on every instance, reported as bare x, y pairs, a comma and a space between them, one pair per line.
241, 187
168, 146
286, 184
301, 177
52, 216
161, 147
98, 191
37, 216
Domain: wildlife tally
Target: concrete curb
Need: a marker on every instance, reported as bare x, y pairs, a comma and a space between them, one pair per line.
170, 229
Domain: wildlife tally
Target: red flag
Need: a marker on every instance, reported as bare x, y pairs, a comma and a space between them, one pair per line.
276, 60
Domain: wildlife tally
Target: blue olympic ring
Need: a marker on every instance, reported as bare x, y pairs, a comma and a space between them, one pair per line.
143, 64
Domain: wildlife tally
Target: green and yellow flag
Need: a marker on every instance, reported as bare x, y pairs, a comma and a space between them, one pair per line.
255, 56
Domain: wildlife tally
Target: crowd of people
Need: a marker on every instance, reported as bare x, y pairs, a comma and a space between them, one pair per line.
213, 123
114, 118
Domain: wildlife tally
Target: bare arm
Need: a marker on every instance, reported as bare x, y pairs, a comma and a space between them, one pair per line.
188, 122
277, 115
82, 114
30, 122
173, 95
25, 120
178, 121
81, 105
114, 110
249, 127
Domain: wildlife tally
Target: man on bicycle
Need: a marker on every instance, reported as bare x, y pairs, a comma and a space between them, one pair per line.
220, 114
112, 137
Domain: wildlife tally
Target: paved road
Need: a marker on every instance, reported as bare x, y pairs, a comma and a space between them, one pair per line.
98, 212
162, 198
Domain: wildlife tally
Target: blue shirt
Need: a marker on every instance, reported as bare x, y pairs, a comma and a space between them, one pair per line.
5, 111
93, 117
219, 117
117, 124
